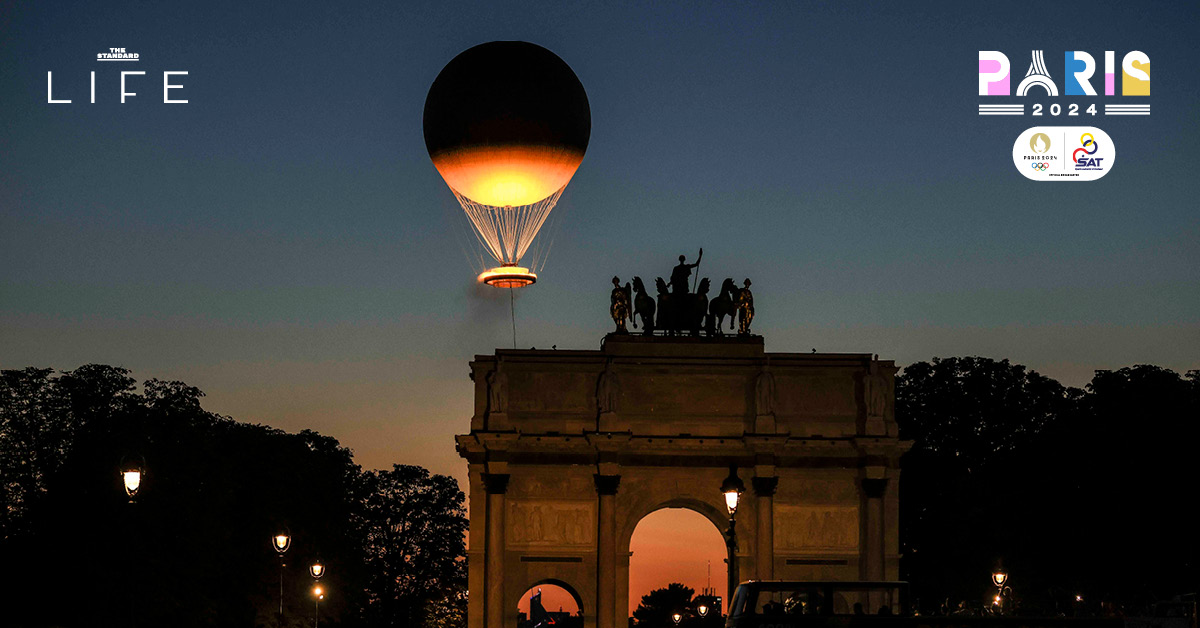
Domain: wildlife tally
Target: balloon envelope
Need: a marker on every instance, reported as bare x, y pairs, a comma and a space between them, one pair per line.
507, 123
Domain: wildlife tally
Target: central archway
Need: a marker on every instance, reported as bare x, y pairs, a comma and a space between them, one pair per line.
676, 545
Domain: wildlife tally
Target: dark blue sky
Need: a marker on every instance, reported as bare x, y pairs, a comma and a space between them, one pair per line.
283, 242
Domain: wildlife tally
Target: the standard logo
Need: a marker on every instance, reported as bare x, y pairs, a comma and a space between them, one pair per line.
1064, 153
127, 82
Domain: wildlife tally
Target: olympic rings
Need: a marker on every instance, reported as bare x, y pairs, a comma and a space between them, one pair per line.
1040, 166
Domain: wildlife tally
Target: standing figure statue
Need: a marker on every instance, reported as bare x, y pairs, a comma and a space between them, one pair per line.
745, 308
622, 297
680, 275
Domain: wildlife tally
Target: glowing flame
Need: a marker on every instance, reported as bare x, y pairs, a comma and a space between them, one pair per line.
1039, 145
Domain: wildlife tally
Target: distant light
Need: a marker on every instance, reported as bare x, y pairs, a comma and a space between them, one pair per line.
997, 600
317, 569
702, 609
999, 578
676, 617
282, 541
1078, 598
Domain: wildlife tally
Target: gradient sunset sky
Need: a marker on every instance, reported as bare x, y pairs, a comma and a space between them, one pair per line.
283, 242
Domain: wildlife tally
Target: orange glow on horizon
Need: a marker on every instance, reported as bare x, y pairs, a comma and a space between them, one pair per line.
509, 175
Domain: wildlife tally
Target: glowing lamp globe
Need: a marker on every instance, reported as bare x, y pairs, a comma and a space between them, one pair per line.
702, 609
133, 471
133, 481
676, 617
317, 570
281, 542
732, 488
999, 578
506, 125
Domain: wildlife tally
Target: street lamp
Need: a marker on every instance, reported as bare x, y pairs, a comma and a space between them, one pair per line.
318, 595
702, 609
675, 617
281, 542
732, 488
317, 569
1000, 579
133, 469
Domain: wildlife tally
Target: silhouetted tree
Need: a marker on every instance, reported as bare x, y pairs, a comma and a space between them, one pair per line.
1073, 490
195, 550
413, 526
657, 606
1124, 486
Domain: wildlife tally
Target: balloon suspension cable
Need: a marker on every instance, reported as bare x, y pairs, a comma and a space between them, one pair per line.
506, 232
512, 309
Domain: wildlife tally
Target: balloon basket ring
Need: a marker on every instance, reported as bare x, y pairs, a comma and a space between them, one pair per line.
508, 277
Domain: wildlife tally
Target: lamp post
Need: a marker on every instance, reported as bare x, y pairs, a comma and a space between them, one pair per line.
316, 570
732, 488
702, 609
281, 542
318, 595
676, 617
1000, 579
133, 470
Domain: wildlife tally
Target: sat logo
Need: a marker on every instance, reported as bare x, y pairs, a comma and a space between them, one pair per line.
1078, 69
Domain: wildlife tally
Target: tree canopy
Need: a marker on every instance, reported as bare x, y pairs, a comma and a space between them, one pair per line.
194, 549
1072, 491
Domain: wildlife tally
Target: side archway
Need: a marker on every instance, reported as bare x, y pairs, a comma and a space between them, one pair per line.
556, 596
585, 613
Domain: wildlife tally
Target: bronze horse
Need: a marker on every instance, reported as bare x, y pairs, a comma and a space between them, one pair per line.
643, 305
723, 305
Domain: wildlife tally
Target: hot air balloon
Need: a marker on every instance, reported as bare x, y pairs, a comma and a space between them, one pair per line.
506, 125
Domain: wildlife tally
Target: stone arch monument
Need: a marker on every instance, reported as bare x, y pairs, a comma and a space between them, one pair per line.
569, 450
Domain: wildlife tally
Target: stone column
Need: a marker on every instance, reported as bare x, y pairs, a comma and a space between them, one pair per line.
606, 550
496, 485
476, 544
874, 490
764, 551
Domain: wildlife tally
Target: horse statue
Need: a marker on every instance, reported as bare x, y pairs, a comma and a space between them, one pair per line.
643, 305
723, 305
666, 308
695, 311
